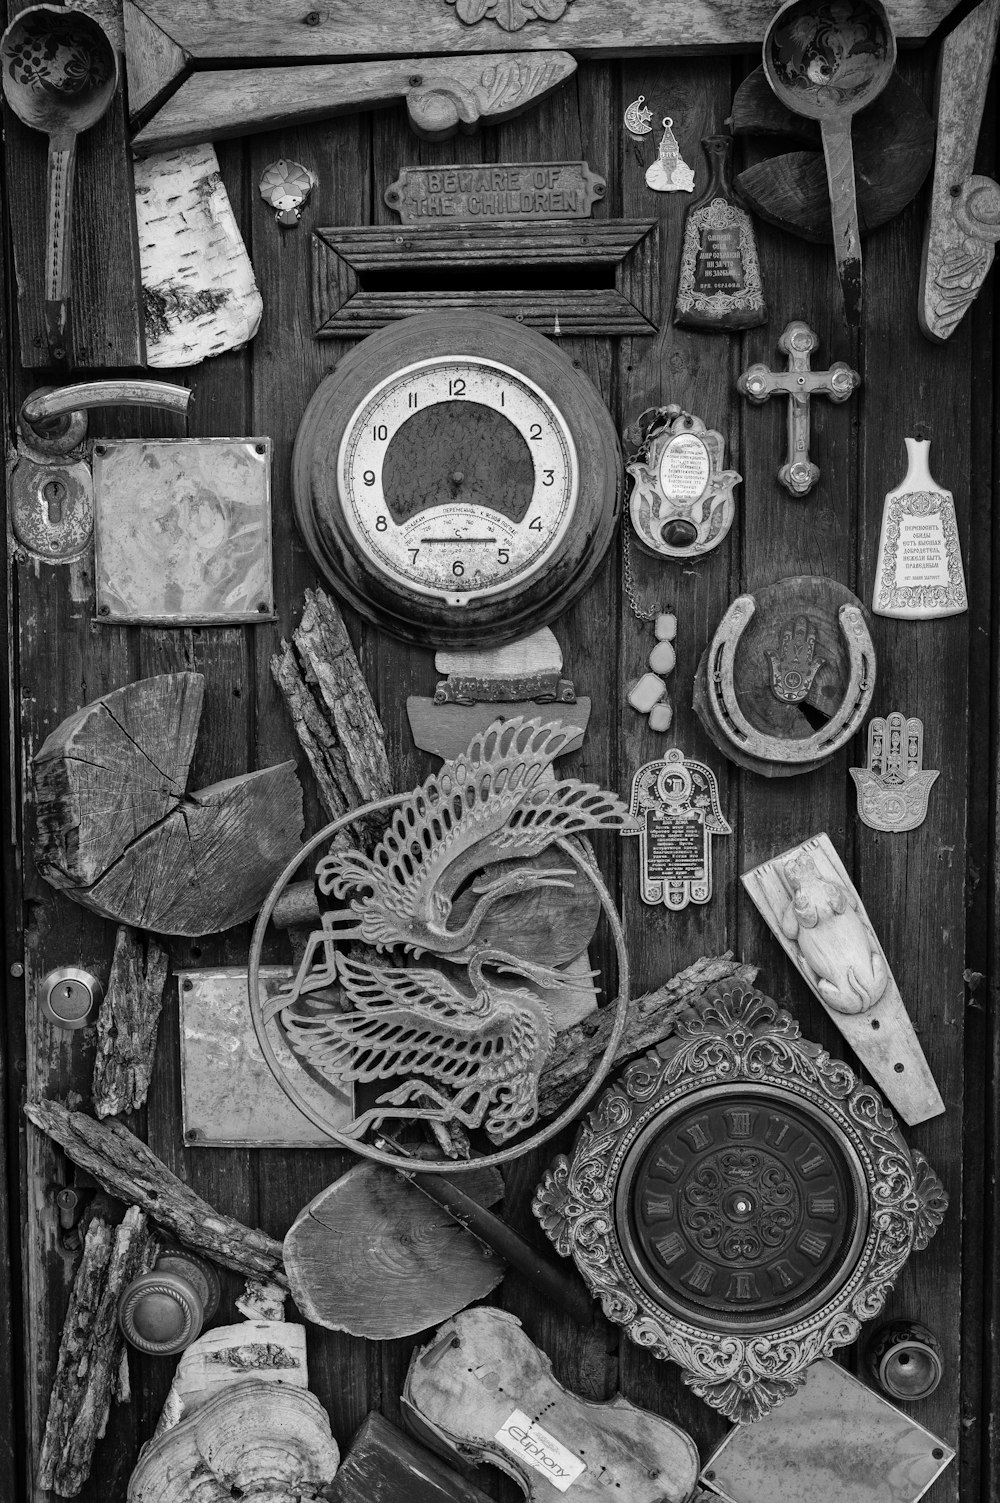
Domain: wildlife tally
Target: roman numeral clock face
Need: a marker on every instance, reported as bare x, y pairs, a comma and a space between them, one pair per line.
741, 1206
457, 479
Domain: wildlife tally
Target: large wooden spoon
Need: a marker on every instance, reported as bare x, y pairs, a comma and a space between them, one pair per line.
60, 73
827, 61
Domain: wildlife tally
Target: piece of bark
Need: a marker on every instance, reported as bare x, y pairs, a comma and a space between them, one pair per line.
125, 1167
269, 1351
254, 1439
334, 715
262, 1300
89, 1368
385, 1465
127, 1024
198, 289
374, 1256
651, 1018
118, 833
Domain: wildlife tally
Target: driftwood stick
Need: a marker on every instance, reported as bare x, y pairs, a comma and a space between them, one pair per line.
89, 1368
127, 1169
127, 1024
651, 1019
333, 712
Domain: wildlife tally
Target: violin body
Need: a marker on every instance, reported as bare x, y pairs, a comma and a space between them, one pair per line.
482, 1390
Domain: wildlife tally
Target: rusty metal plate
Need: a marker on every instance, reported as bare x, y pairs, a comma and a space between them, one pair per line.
832, 1441
182, 530
230, 1098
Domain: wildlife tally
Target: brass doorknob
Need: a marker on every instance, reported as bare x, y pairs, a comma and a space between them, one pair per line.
164, 1311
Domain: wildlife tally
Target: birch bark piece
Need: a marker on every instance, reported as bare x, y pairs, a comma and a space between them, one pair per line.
91, 1358
269, 1351
118, 833
127, 1024
199, 293
266, 1442
373, 1256
125, 1167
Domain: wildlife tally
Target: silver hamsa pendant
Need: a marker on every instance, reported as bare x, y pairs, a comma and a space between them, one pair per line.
893, 788
675, 801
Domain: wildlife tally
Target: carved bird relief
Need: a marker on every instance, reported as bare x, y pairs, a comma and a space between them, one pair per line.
488, 805
469, 1057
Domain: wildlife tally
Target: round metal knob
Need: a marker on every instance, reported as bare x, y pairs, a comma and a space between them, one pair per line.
164, 1311
905, 1360
70, 997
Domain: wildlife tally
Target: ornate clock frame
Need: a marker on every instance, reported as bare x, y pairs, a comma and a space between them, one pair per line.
744, 1045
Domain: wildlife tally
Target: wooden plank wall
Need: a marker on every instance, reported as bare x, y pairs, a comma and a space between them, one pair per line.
914, 886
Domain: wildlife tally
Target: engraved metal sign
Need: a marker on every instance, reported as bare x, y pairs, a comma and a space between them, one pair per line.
495, 191
893, 788
676, 801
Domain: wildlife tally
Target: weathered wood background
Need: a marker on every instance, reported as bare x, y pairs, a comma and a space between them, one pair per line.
930, 893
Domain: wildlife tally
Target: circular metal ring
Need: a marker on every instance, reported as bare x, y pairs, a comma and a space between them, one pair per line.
367, 1150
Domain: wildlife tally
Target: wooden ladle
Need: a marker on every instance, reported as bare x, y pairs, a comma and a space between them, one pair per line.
60, 73
827, 61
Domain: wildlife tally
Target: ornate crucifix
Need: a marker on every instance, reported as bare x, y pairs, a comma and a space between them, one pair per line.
798, 474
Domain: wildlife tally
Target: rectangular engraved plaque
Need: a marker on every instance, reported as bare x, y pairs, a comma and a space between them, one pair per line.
495, 191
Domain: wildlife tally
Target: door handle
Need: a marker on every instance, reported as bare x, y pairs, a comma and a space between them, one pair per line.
53, 420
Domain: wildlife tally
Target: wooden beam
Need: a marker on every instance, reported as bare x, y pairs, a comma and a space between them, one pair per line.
153, 60
443, 95
285, 30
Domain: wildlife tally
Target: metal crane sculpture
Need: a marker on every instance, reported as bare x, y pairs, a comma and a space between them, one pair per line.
490, 804
473, 1058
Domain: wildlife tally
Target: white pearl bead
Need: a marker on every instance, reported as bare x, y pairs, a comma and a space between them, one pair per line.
663, 658
665, 627
660, 716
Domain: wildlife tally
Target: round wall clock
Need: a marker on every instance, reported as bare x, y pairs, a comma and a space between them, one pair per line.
457, 479
740, 1203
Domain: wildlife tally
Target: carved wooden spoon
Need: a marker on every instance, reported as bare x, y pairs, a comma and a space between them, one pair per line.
60, 73
827, 62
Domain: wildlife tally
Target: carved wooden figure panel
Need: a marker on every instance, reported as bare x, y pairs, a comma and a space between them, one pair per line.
811, 904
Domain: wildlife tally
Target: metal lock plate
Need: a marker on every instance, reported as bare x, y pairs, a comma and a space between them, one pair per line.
70, 997
182, 530
51, 507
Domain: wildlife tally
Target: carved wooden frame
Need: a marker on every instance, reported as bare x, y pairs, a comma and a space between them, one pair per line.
342, 255
741, 1036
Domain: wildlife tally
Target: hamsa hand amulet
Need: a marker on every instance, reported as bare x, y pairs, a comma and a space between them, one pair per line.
676, 801
893, 789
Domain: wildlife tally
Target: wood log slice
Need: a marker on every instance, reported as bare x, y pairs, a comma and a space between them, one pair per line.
893, 151
118, 833
262, 1442
374, 1256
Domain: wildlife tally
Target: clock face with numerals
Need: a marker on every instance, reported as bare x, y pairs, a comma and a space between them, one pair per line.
741, 1203
457, 478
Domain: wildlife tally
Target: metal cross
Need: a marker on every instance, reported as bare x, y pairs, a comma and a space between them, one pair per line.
798, 474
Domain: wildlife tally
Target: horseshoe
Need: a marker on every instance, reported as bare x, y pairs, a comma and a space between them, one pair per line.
733, 724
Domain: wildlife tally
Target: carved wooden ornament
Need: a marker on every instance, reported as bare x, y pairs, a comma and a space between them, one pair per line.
811, 904
497, 190
893, 788
682, 503
677, 800
740, 1203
